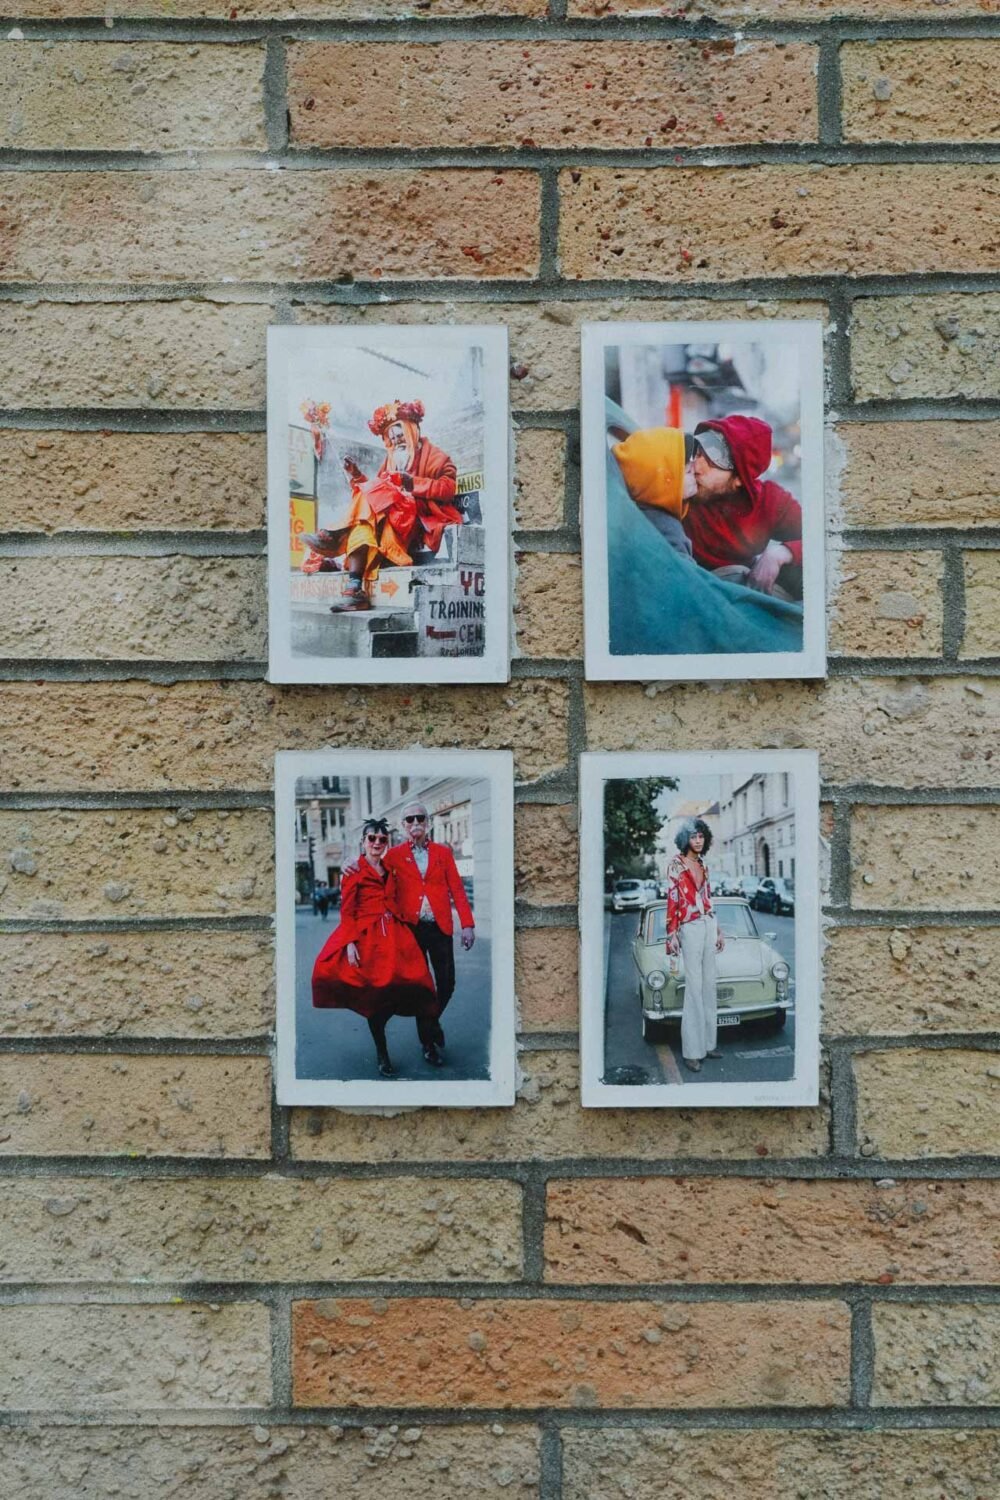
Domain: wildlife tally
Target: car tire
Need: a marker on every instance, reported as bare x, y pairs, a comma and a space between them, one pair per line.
777, 1021
652, 1031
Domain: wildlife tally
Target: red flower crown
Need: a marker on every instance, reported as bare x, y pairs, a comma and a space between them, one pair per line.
396, 411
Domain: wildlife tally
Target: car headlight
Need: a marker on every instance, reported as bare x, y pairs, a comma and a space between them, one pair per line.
780, 970
656, 980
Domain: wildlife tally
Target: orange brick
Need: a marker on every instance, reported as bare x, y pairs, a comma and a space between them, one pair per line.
921, 473
548, 614
711, 1230
701, 224
553, 94
545, 854
546, 978
940, 90
887, 604
438, 1352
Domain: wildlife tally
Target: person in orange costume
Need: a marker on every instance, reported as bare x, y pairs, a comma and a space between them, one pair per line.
404, 507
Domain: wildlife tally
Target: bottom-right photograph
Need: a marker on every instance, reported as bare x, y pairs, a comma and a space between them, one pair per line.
699, 921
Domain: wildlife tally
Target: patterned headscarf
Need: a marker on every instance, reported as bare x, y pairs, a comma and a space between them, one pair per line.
409, 414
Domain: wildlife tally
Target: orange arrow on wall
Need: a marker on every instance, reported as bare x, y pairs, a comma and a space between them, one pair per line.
390, 588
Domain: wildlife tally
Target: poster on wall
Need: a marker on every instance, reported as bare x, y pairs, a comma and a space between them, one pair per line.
699, 919
703, 523
395, 917
388, 504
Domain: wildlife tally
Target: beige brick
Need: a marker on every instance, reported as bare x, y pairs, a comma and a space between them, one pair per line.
936, 1356
774, 10
982, 604
539, 478
263, 10
546, 978
105, 96
295, 226
942, 90
89, 1105
548, 1124
892, 731
150, 863
135, 1358
551, 94
545, 336
911, 980
227, 1463
690, 1464
888, 604
172, 608
259, 1229
939, 1103
146, 355
926, 347
921, 473
707, 1229
437, 1352
548, 615
681, 224
926, 857
545, 854
163, 984
127, 481
122, 736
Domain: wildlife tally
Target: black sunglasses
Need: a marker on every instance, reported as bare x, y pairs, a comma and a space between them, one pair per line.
415, 818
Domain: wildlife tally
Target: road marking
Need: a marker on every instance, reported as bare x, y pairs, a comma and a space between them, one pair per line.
668, 1063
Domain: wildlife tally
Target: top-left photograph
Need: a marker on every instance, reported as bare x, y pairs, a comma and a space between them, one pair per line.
388, 504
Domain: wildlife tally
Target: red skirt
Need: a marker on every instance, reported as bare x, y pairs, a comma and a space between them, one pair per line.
392, 976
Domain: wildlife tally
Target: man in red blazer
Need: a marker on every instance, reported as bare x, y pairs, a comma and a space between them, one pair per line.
424, 883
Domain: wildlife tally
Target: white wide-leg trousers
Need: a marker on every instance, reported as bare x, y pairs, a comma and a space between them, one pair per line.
698, 1028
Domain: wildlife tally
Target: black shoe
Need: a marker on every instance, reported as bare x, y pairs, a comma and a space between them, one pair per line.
692, 1064
438, 1036
385, 1066
433, 1056
714, 1053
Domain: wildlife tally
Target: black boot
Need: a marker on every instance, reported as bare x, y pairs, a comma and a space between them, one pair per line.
433, 1056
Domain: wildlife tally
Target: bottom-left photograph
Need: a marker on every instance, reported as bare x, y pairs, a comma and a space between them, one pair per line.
394, 877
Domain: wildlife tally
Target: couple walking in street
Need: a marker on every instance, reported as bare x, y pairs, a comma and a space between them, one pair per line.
393, 951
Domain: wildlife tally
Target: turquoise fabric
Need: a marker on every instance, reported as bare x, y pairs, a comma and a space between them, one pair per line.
661, 603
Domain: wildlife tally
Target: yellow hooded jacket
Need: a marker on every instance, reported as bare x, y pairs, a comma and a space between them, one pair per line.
652, 462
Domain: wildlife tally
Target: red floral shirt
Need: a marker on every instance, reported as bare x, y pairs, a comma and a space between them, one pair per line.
686, 901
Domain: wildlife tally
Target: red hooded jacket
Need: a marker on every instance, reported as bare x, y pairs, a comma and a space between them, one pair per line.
735, 529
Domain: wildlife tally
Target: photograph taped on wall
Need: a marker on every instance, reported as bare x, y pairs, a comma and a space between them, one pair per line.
388, 504
699, 921
703, 511
395, 927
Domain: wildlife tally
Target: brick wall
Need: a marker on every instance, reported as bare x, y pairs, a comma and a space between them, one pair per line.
204, 1292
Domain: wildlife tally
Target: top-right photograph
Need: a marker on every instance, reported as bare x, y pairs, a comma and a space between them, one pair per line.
703, 517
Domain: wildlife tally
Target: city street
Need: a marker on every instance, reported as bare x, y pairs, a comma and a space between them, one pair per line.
338, 1044
751, 1052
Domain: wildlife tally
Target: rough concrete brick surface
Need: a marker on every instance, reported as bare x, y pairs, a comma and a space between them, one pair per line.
548, 1124
89, 96
553, 94
678, 1464
937, 345
982, 604
921, 90
272, 1228
111, 481
928, 1104
903, 981
129, 1105
708, 1230
296, 226
778, 10
921, 473
153, 608
203, 735
888, 604
266, 10
363, 1352
146, 862
897, 860
153, 984
539, 478
139, 1358
546, 980
936, 1356
404, 1462
548, 615
545, 854
666, 224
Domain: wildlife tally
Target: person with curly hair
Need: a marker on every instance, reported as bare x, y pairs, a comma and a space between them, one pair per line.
693, 932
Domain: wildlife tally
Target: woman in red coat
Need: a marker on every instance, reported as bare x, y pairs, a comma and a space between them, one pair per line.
372, 963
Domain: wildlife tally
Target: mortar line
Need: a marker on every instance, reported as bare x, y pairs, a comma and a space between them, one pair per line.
828, 92
533, 1193
862, 1351
275, 96
843, 1096
548, 225
550, 1460
953, 602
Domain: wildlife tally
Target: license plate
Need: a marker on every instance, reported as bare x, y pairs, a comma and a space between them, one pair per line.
731, 1020
725, 992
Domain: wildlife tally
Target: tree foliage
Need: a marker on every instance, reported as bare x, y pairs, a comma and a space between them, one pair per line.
632, 824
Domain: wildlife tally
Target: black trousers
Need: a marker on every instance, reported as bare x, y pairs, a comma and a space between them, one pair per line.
438, 948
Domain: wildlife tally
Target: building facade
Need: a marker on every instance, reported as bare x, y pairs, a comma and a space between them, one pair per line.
757, 826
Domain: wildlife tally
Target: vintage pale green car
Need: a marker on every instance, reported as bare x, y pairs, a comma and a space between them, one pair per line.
753, 978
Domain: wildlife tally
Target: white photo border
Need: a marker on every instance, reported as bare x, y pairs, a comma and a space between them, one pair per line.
494, 665
600, 664
494, 766
803, 1087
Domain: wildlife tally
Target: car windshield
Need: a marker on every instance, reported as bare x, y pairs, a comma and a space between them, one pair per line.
734, 922
627, 885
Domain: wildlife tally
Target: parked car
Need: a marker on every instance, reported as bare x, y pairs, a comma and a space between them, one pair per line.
776, 896
754, 981
746, 887
629, 895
